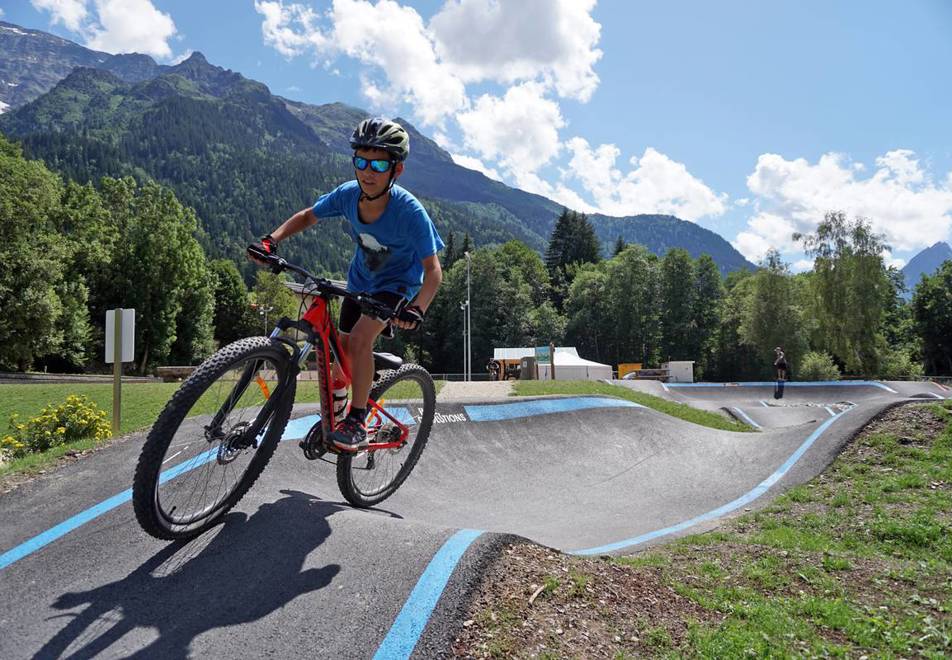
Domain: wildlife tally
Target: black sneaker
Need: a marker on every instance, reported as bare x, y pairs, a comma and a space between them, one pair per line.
350, 435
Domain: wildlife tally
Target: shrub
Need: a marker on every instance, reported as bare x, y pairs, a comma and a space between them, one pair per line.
817, 366
75, 419
897, 365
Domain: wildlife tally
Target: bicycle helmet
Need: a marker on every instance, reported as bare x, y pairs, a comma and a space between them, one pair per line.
380, 133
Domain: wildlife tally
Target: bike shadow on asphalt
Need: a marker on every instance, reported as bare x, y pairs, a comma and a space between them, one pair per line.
235, 573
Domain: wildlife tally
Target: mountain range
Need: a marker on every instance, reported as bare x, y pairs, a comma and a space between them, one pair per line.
925, 263
246, 159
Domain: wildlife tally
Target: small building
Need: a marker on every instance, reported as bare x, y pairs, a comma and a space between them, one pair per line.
681, 371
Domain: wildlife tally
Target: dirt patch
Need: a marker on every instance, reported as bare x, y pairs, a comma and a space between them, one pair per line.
536, 601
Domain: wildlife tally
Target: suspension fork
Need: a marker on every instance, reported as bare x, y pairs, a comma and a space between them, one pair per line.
249, 374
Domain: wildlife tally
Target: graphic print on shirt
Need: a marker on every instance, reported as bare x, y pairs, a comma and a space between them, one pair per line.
375, 254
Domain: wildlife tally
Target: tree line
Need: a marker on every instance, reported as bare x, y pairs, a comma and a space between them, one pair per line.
73, 251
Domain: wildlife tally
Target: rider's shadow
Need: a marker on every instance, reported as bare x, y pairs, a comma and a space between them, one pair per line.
236, 573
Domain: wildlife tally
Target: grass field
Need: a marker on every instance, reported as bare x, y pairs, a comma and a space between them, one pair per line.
585, 387
141, 404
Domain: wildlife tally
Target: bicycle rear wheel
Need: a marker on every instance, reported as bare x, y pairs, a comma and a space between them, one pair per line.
213, 439
369, 477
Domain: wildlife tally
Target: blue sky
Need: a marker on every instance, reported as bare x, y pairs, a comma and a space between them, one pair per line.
750, 118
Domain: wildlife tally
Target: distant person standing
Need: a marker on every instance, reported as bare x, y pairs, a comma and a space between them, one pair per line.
780, 364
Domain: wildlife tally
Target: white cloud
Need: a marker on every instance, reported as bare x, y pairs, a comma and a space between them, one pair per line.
1, 12
132, 26
386, 36
654, 183
278, 32
520, 129
181, 58
802, 265
394, 39
118, 26
476, 164
517, 41
890, 260
71, 14
899, 199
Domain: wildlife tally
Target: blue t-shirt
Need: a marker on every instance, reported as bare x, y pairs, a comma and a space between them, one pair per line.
389, 250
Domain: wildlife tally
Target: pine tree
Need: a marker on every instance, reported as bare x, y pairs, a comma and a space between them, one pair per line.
619, 246
449, 253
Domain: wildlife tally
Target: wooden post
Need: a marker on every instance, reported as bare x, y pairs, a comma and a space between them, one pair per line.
552, 360
116, 372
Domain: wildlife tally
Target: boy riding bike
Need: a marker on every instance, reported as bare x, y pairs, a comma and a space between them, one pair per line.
395, 262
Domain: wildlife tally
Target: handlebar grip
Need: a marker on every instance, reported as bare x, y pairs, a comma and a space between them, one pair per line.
274, 262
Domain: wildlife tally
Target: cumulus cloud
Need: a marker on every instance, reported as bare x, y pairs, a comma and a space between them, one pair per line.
506, 42
546, 42
116, 26
539, 51
385, 36
291, 29
476, 164
519, 129
182, 57
802, 265
132, 26
653, 183
71, 14
899, 199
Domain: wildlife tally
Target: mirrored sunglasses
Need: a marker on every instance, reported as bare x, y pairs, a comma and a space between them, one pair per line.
380, 165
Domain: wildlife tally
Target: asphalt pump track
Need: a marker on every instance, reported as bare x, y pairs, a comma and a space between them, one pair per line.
294, 572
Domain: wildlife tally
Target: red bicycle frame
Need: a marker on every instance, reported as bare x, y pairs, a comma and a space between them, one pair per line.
319, 318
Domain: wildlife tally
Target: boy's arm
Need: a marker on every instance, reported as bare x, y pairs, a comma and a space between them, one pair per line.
432, 277
297, 222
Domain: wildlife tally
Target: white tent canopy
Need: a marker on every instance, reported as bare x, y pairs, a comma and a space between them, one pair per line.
569, 366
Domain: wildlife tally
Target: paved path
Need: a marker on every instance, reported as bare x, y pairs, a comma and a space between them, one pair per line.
294, 572
477, 390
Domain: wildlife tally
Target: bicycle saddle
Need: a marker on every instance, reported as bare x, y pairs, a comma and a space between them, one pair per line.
387, 361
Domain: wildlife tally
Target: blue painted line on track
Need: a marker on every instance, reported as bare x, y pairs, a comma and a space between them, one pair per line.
504, 411
409, 624
744, 499
747, 418
83, 517
819, 383
50, 535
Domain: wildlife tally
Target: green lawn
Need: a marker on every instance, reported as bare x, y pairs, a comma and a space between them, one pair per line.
141, 404
857, 562
587, 387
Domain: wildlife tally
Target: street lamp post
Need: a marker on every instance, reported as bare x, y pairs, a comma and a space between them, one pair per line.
469, 325
462, 307
263, 310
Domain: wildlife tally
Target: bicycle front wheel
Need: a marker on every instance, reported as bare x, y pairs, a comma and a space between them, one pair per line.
369, 477
213, 439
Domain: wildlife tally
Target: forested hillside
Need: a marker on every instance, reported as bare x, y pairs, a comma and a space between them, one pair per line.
245, 159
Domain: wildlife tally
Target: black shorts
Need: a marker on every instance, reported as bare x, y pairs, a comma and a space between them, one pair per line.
782, 365
350, 311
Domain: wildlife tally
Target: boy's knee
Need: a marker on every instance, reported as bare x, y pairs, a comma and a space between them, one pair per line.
363, 335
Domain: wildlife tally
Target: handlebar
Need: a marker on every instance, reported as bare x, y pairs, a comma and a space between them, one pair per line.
322, 286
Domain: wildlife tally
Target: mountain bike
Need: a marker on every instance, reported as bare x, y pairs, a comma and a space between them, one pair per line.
219, 430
